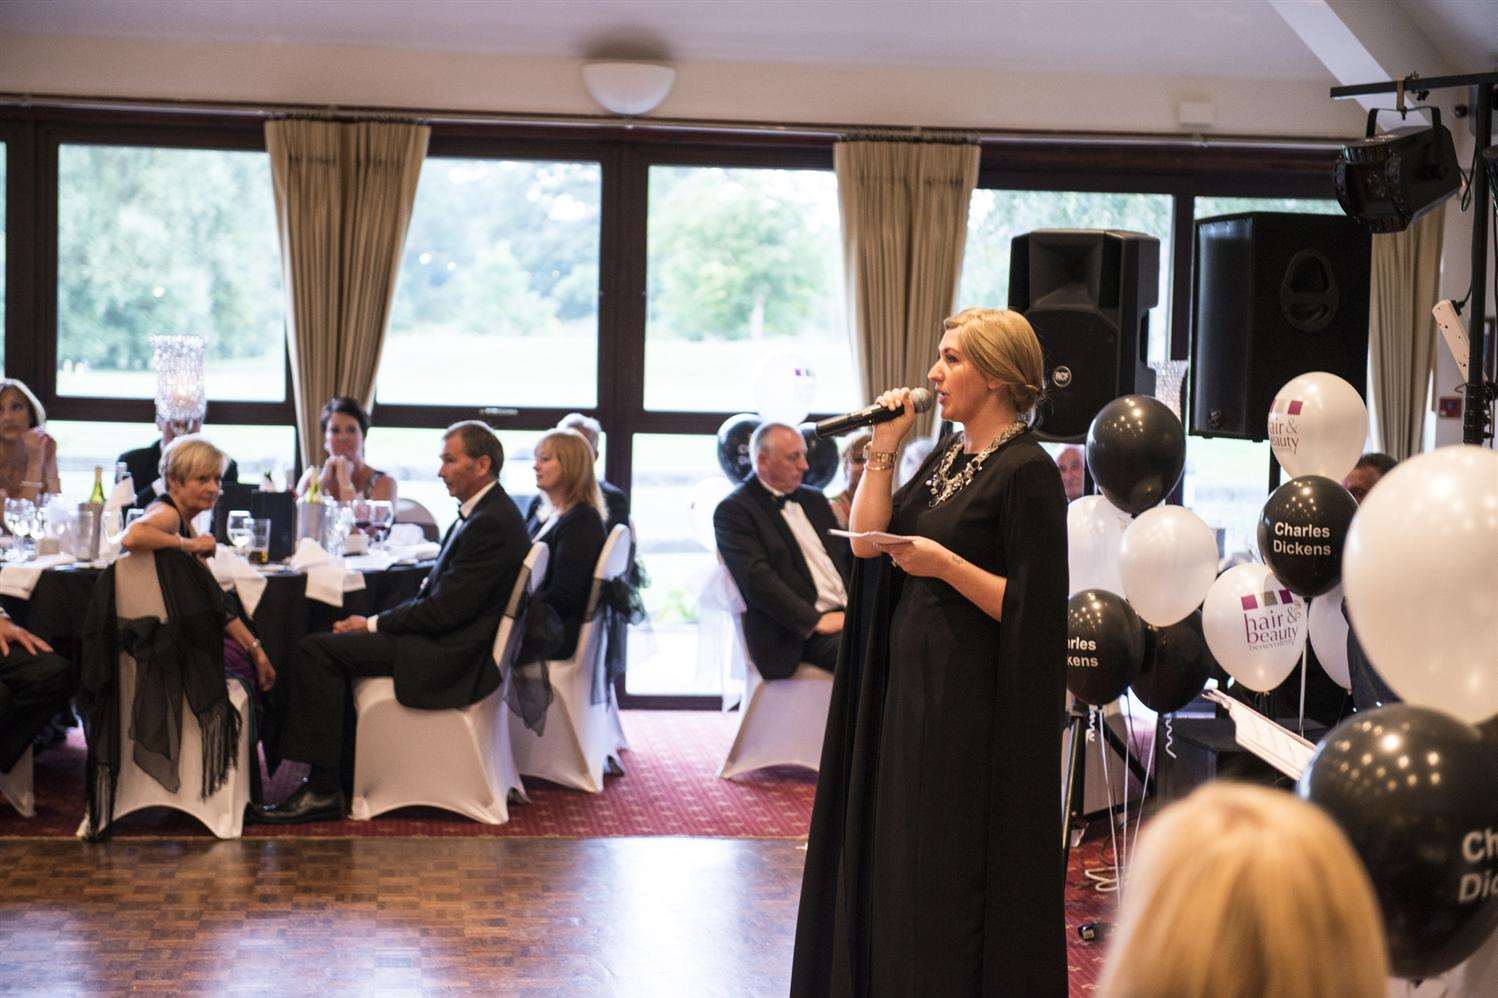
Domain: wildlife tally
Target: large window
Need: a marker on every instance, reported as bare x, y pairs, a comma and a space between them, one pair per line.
179, 241
674, 547
744, 275
497, 302
1227, 481
82, 446
3, 156
995, 217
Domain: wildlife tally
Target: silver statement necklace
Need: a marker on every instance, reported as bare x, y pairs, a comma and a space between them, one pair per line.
944, 485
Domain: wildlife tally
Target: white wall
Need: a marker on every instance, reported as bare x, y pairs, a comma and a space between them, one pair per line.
937, 97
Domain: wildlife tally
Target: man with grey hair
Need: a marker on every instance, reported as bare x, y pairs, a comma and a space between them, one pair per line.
538, 510
772, 533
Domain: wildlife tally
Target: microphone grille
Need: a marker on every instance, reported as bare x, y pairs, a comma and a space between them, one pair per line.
921, 399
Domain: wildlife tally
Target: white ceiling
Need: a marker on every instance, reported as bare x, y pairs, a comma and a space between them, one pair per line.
1153, 37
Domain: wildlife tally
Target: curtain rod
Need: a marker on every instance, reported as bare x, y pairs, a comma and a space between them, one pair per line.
726, 127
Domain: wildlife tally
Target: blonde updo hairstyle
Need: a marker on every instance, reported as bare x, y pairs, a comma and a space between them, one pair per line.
575, 456
1004, 346
1241, 891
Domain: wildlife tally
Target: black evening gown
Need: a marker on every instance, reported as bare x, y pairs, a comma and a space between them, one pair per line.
934, 864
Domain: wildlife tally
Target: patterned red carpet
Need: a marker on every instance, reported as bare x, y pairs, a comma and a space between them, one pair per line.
670, 788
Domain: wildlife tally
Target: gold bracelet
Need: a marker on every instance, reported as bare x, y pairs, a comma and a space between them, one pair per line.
878, 460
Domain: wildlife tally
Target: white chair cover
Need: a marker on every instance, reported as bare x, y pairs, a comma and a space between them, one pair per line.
582, 738
781, 721
138, 594
464, 763
15, 786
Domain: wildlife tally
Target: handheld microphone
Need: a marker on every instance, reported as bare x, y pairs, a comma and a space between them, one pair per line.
920, 400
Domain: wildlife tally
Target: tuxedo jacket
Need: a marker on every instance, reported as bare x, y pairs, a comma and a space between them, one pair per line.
444, 635
144, 464
766, 563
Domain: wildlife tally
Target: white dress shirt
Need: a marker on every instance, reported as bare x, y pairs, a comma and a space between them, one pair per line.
831, 595
464, 512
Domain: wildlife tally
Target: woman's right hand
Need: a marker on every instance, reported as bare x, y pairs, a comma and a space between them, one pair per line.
40, 446
202, 545
887, 436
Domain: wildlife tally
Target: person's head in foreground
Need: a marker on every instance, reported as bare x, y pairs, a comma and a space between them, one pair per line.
194, 470
471, 458
779, 454
1242, 892
564, 470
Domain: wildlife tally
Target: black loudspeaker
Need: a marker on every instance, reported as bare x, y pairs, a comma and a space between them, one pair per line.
1276, 295
1088, 293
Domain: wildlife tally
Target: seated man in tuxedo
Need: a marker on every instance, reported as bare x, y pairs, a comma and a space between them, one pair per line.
437, 644
772, 535
615, 500
35, 683
144, 463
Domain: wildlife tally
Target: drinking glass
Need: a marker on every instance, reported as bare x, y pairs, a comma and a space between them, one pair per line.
19, 519
381, 517
260, 541
361, 511
340, 528
112, 526
239, 530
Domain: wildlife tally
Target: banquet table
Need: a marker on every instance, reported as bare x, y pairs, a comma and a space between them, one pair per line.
284, 614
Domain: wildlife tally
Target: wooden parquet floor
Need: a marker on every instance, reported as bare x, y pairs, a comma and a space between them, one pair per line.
574, 917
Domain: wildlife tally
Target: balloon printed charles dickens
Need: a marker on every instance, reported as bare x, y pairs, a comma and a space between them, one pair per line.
1416, 792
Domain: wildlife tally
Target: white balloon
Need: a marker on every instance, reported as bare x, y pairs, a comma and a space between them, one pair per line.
1094, 536
1421, 573
1167, 561
1255, 627
1317, 426
704, 500
784, 388
1329, 636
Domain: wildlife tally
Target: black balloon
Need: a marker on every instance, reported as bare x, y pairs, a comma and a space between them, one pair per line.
1301, 533
821, 455
1416, 792
733, 446
1104, 643
1136, 451
1176, 665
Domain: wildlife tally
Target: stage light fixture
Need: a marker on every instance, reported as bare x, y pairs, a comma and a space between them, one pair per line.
1387, 181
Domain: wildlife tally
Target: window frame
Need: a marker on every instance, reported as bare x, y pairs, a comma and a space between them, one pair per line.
625, 155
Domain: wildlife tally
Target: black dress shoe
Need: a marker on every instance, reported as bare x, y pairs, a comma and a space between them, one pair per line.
304, 804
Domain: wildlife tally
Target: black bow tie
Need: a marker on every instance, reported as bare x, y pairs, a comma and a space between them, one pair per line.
780, 501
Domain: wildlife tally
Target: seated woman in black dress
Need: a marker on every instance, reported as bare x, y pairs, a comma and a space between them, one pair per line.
193, 469
934, 861
574, 532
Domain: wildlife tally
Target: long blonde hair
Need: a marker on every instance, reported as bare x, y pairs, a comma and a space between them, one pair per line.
575, 456
1241, 891
1004, 346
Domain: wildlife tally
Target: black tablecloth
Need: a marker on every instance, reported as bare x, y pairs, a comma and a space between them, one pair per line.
284, 614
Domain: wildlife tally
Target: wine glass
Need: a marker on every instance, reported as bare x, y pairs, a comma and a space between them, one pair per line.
240, 530
19, 521
112, 526
381, 517
340, 528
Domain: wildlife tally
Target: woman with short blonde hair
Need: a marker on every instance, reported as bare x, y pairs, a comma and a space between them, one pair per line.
1241, 891
574, 532
193, 469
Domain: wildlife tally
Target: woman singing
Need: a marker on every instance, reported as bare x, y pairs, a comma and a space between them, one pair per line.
934, 864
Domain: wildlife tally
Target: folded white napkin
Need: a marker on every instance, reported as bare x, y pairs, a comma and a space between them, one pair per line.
327, 578
20, 580
417, 552
403, 534
374, 561
230, 569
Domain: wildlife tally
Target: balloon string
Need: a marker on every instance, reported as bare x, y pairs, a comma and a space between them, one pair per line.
1108, 783
1170, 737
1149, 768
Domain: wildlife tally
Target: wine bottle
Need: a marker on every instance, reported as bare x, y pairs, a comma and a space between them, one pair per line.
97, 495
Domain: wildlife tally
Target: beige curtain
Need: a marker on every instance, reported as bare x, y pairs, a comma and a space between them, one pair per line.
904, 224
1401, 332
343, 204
